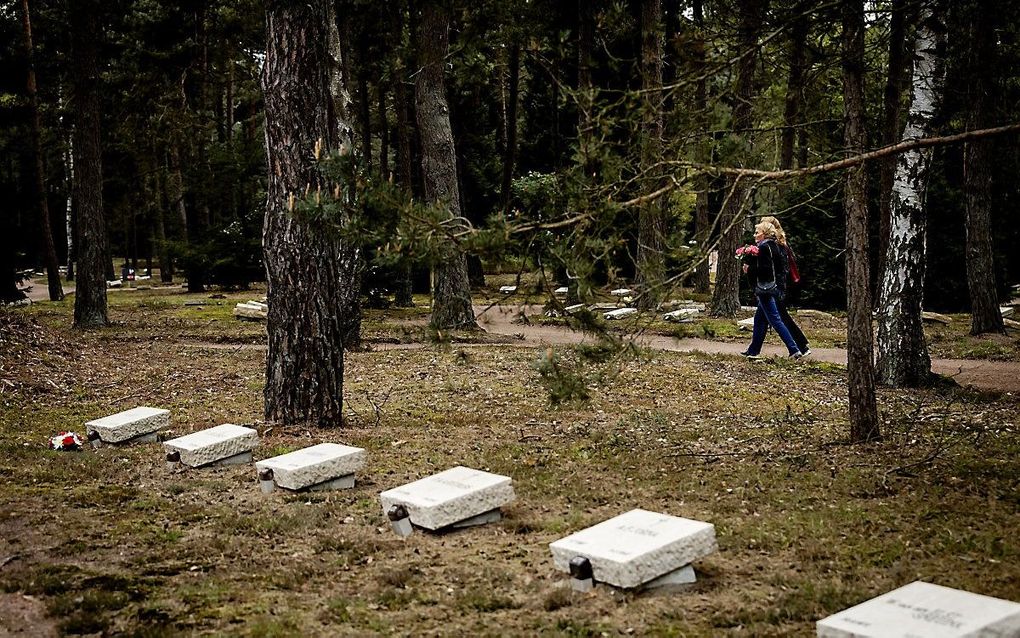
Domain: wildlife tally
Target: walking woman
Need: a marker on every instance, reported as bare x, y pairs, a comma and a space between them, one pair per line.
769, 267
792, 279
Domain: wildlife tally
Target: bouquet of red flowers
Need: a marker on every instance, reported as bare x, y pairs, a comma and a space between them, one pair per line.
750, 250
65, 441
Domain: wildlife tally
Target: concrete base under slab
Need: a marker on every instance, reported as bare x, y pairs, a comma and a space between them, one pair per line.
340, 483
237, 459
673, 580
151, 437
488, 517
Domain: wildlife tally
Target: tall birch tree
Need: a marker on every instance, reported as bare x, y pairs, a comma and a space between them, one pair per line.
903, 358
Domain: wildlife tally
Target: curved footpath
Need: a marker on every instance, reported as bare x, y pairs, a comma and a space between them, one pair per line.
1002, 376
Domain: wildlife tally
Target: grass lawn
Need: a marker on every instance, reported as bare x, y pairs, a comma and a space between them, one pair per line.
111, 542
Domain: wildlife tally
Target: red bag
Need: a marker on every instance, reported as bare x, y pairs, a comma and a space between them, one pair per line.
794, 273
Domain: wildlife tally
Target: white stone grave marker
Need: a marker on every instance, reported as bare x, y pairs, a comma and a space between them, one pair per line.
458, 496
508, 290
923, 609
638, 548
225, 444
620, 313
680, 315
746, 324
322, 466
134, 425
562, 290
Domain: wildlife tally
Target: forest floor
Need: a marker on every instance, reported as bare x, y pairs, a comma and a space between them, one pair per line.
109, 541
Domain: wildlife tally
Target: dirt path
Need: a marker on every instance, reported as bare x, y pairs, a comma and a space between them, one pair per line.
1003, 376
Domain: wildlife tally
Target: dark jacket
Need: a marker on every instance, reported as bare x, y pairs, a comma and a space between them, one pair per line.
770, 265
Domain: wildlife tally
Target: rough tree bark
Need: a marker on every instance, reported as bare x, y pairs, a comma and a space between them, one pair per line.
93, 258
726, 296
977, 172
311, 272
903, 358
892, 125
702, 217
404, 134
451, 294
585, 88
56, 290
864, 424
794, 87
650, 264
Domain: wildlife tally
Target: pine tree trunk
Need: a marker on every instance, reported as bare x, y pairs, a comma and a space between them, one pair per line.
402, 296
93, 258
903, 358
56, 290
891, 122
650, 264
311, 273
702, 217
166, 273
726, 296
384, 132
510, 122
794, 89
864, 424
585, 88
977, 172
451, 295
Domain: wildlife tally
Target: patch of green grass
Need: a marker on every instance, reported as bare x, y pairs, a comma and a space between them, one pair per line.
485, 600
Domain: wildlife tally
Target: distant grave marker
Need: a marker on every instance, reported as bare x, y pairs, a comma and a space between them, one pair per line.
226, 444
634, 549
136, 425
458, 497
620, 313
923, 609
683, 314
326, 466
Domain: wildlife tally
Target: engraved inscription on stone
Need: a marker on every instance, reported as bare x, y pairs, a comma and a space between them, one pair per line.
313, 465
215, 444
923, 609
637, 546
450, 497
129, 424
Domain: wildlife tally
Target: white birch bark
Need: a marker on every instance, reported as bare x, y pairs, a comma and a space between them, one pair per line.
903, 358
68, 156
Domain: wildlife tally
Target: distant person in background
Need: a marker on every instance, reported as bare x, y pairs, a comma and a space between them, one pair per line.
767, 270
792, 279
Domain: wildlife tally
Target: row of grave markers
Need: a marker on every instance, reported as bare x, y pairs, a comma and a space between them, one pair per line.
637, 549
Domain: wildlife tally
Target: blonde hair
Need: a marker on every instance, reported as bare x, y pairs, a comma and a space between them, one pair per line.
780, 234
767, 229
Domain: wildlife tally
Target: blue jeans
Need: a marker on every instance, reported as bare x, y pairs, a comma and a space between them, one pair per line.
768, 315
